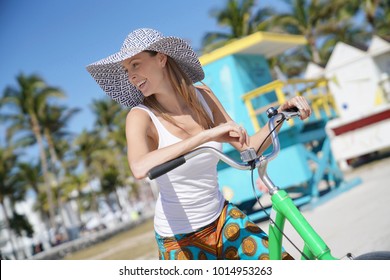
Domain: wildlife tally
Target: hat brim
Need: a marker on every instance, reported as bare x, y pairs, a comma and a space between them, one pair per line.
112, 78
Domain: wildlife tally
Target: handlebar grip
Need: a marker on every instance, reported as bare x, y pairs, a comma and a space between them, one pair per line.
161, 169
271, 111
292, 110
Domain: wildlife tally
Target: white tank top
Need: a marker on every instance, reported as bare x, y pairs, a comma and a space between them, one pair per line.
189, 195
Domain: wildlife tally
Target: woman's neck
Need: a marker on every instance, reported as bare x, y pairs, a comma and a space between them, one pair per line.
173, 103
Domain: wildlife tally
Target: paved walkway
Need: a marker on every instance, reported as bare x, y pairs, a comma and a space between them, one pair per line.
356, 221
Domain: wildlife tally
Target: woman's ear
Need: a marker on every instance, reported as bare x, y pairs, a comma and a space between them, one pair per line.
162, 59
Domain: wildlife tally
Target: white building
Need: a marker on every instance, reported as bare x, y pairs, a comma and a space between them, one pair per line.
359, 81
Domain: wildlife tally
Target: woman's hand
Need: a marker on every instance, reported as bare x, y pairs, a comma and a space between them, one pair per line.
300, 103
229, 132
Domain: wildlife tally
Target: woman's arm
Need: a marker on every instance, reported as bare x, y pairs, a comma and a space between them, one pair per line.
254, 141
142, 152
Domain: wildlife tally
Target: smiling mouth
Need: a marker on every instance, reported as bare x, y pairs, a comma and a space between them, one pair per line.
141, 84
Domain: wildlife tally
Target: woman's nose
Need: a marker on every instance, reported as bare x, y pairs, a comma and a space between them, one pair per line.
132, 78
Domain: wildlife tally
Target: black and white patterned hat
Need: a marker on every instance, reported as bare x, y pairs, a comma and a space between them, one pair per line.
112, 78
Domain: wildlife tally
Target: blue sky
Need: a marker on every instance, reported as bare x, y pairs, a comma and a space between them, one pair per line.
56, 39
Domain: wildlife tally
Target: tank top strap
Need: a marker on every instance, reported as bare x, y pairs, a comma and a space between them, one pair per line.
154, 118
165, 137
204, 104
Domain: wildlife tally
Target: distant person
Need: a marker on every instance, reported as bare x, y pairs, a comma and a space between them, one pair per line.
170, 116
37, 248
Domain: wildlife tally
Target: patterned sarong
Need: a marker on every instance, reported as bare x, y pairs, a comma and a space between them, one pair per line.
232, 236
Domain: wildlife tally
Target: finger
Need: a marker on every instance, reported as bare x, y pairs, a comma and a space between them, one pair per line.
241, 138
236, 131
304, 109
234, 134
246, 137
239, 134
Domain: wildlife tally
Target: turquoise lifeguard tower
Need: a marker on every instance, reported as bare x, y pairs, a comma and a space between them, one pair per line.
239, 75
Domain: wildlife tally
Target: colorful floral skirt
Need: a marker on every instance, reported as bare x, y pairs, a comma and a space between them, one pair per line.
232, 236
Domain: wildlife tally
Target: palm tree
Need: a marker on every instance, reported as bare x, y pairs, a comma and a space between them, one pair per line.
382, 20
110, 180
377, 15
317, 20
88, 146
20, 224
74, 182
110, 122
106, 113
237, 16
54, 120
28, 100
11, 186
308, 18
323, 23
31, 174
345, 28
370, 8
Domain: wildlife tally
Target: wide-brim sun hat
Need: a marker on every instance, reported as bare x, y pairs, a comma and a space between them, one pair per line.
113, 79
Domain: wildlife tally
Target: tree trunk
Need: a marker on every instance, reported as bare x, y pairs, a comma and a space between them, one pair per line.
36, 130
9, 230
118, 201
79, 204
314, 51
53, 155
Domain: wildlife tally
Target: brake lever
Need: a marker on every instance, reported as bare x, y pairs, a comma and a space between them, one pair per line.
291, 112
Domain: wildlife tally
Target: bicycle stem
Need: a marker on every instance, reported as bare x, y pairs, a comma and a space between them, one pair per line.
263, 160
261, 163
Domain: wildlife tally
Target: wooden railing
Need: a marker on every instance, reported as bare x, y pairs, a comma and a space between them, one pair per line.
315, 90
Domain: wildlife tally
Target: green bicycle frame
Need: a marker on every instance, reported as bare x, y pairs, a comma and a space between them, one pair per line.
284, 208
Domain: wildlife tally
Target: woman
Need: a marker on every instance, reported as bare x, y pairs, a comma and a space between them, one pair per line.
155, 76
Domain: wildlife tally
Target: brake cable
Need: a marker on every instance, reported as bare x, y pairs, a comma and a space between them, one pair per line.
258, 198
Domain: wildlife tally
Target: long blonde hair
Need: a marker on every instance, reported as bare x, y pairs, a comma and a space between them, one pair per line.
183, 86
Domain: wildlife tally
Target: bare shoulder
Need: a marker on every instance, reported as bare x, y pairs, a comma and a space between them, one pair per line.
137, 114
138, 120
140, 128
215, 105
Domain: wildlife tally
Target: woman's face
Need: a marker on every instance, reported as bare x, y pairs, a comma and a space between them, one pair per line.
145, 71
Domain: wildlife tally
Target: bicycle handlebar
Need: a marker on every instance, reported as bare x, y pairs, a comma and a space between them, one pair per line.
172, 164
249, 158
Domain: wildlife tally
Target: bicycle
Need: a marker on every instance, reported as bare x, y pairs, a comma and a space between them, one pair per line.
283, 207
